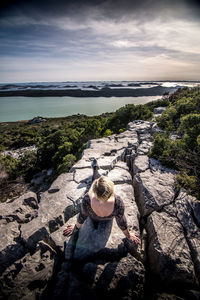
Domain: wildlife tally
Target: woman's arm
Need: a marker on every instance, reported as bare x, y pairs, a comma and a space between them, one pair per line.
133, 236
70, 228
82, 216
122, 222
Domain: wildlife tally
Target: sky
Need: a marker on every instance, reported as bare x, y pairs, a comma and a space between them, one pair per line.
91, 40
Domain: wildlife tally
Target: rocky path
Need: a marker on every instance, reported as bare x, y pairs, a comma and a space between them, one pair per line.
167, 262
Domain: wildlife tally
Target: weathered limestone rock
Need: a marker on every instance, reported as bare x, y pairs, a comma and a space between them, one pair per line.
140, 126
153, 190
122, 279
120, 174
57, 236
22, 209
32, 233
10, 248
108, 162
165, 296
144, 147
140, 164
184, 215
168, 252
28, 277
18, 153
196, 211
159, 110
60, 182
145, 137
83, 175
104, 146
54, 210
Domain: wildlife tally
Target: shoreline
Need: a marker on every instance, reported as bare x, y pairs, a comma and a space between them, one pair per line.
104, 92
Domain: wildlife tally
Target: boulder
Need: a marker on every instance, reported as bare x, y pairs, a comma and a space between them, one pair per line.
60, 182
184, 205
122, 279
54, 210
140, 126
159, 110
154, 190
10, 248
141, 164
144, 147
28, 277
196, 212
22, 209
36, 120
168, 252
120, 174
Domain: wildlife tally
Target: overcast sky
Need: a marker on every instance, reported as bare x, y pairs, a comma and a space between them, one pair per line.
79, 40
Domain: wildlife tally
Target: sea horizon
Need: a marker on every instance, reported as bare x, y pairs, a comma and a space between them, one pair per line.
24, 101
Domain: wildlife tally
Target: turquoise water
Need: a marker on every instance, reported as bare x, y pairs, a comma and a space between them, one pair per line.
25, 108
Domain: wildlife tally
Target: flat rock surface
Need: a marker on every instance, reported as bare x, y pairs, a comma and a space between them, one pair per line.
168, 252
140, 164
120, 175
184, 204
154, 189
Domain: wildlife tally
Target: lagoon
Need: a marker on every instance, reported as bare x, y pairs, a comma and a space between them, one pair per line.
25, 108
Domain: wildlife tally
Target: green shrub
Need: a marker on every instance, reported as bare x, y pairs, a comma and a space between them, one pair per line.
190, 124
67, 162
189, 182
183, 118
108, 132
63, 150
168, 119
11, 165
126, 114
28, 165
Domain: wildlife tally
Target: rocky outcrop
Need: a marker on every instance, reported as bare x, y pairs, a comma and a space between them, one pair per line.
36, 120
18, 153
159, 110
36, 259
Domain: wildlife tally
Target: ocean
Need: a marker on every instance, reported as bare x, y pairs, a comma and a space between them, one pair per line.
16, 108
25, 108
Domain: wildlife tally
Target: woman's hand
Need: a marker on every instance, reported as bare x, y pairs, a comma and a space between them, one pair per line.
133, 237
68, 231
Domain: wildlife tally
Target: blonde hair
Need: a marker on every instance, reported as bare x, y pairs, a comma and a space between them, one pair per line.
103, 188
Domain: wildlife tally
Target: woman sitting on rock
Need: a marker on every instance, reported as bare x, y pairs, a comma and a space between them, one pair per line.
99, 206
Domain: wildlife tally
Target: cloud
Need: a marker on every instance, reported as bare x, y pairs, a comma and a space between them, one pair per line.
110, 9
99, 39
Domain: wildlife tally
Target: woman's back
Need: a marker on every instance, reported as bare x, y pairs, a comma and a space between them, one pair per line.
102, 209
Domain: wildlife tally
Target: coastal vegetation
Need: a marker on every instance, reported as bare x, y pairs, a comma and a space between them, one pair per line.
59, 142
179, 145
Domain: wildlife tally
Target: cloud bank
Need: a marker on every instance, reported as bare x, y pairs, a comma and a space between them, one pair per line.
99, 40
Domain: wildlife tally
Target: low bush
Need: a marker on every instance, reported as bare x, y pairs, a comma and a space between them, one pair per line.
182, 117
